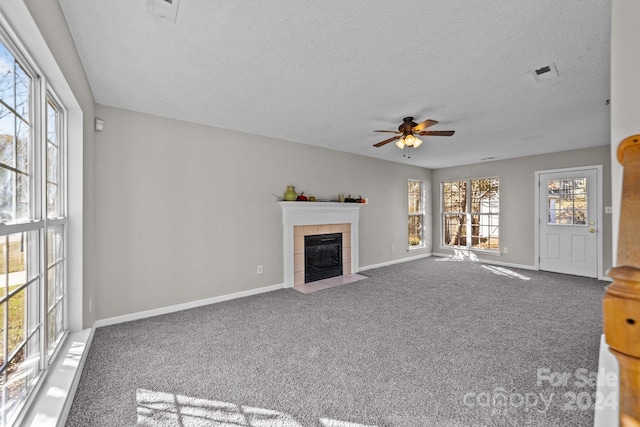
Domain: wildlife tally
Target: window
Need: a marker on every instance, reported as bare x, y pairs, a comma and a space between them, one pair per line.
416, 213
567, 201
33, 315
470, 214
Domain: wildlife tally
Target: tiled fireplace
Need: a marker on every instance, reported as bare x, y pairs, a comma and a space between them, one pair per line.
301, 219
300, 231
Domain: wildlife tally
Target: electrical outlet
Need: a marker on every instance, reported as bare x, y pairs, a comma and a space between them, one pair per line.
505, 250
381, 251
259, 269
90, 304
393, 248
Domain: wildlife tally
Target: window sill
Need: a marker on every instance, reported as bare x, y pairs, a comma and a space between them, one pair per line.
52, 401
416, 248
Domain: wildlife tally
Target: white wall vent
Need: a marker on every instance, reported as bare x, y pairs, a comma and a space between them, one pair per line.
164, 9
547, 72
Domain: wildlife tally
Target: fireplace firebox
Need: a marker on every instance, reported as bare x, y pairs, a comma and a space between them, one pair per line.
322, 256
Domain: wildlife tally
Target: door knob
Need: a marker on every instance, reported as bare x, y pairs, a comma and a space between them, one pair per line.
592, 230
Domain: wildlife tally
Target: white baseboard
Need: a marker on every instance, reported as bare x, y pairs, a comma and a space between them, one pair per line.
395, 261
608, 367
512, 265
185, 306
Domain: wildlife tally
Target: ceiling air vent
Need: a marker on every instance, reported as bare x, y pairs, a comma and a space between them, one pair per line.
165, 9
545, 73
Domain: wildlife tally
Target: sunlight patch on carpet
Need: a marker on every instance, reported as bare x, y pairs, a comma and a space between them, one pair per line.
326, 422
501, 271
460, 255
156, 409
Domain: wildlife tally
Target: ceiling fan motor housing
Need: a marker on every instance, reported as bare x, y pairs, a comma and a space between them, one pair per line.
407, 127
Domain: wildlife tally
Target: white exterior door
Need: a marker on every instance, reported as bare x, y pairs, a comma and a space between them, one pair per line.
568, 218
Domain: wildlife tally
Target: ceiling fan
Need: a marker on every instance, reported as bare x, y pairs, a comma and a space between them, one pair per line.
408, 130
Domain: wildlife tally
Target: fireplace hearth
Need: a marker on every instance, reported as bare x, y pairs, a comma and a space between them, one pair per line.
323, 256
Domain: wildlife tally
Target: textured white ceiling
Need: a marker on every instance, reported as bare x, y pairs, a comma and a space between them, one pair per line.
328, 73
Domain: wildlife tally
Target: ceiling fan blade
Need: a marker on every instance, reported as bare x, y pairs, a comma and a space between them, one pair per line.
422, 126
386, 141
437, 132
390, 131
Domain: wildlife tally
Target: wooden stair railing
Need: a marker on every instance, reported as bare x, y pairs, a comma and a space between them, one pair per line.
621, 303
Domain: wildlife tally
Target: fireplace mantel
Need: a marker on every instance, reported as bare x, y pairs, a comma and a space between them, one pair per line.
317, 213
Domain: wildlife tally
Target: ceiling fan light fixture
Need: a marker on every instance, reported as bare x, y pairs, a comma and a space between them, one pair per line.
406, 133
410, 140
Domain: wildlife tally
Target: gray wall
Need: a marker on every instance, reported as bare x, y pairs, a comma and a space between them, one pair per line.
517, 199
186, 212
175, 212
52, 24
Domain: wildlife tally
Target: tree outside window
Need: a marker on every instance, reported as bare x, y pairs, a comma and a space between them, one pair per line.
470, 214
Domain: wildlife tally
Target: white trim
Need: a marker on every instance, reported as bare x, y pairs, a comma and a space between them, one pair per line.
75, 223
467, 213
6, 229
17, 22
49, 406
185, 306
599, 213
25, 34
317, 213
422, 214
395, 261
606, 415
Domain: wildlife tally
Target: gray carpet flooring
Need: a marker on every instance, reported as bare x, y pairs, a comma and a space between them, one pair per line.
431, 342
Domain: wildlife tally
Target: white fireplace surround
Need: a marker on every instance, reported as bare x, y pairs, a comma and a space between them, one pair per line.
317, 213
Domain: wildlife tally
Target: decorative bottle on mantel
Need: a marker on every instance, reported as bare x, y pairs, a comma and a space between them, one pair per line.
290, 195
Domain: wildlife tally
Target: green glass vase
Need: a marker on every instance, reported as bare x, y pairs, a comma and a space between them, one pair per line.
290, 195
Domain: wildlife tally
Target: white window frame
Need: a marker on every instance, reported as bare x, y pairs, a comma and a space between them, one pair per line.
52, 222
420, 213
22, 35
467, 213
18, 25
33, 227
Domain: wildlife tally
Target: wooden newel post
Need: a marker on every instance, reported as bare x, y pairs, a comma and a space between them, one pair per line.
621, 304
